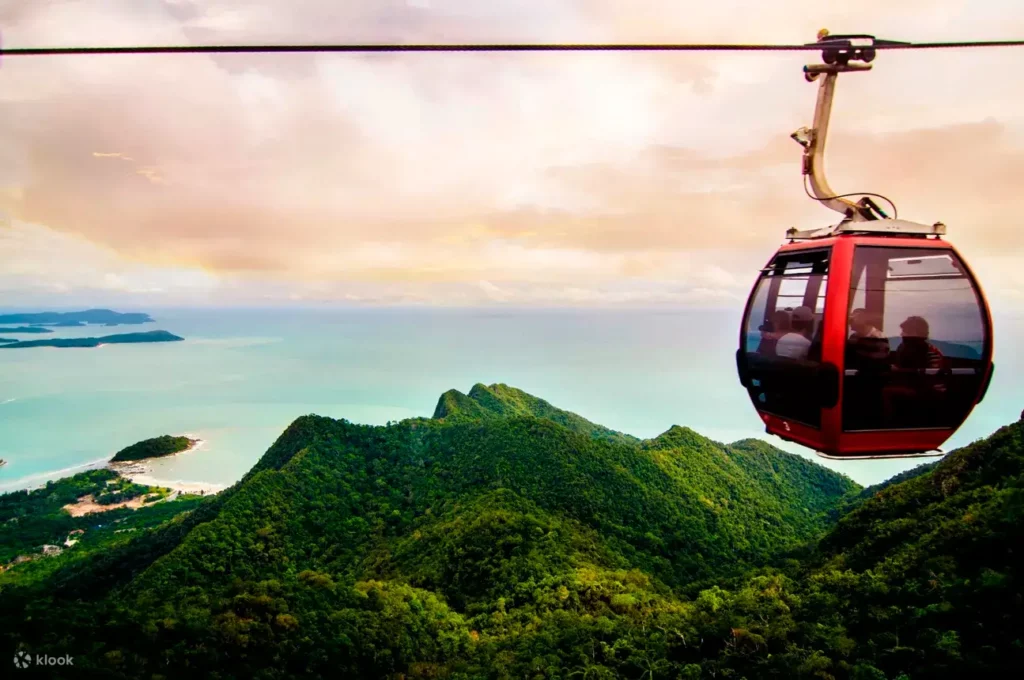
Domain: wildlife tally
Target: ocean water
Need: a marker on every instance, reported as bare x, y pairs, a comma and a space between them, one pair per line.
241, 376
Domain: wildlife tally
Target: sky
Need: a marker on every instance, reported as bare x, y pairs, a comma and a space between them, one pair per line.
474, 179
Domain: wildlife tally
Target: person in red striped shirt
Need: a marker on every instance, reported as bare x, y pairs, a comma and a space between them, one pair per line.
914, 394
915, 352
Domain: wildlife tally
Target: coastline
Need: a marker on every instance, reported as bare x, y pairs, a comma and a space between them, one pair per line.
143, 472
40, 479
138, 471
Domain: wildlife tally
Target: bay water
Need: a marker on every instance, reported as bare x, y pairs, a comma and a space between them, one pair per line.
242, 375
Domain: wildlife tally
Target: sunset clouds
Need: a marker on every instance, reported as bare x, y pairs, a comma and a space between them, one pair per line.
538, 179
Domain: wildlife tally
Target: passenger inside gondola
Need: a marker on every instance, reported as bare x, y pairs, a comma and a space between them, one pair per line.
915, 395
915, 352
779, 325
867, 348
795, 343
867, 354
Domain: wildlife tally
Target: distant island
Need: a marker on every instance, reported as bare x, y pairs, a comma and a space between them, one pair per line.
26, 329
156, 447
104, 317
3, 340
124, 338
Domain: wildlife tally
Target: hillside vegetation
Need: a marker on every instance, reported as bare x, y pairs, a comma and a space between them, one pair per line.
156, 447
506, 538
32, 519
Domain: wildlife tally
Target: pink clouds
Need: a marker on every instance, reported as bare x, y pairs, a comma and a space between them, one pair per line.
613, 177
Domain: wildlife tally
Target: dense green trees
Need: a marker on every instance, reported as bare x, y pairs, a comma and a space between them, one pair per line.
505, 538
163, 445
31, 519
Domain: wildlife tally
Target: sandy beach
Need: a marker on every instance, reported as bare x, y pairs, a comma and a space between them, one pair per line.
142, 472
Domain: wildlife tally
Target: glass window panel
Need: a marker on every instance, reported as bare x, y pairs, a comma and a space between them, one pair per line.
782, 336
916, 341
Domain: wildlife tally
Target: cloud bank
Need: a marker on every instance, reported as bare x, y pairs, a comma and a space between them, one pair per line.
586, 179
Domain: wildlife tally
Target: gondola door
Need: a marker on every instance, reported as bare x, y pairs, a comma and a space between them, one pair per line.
918, 347
780, 357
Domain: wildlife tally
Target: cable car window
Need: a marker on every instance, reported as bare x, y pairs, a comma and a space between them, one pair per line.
915, 352
857, 294
782, 334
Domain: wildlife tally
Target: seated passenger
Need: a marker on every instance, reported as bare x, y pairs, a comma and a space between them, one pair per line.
867, 353
867, 347
796, 342
913, 398
915, 352
771, 332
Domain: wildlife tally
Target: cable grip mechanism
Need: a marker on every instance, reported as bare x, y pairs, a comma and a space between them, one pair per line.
839, 54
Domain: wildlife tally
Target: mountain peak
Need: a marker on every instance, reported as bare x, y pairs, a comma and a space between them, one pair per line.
502, 401
456, 404
680, 435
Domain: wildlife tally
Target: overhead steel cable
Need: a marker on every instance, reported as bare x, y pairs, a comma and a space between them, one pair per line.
484, 47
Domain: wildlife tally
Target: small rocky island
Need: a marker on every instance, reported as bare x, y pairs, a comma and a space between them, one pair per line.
123, 338
157, 447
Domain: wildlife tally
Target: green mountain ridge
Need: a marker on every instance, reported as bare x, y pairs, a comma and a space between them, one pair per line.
506, 538
502, 401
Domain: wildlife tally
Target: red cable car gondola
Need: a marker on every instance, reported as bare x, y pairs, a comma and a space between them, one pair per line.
869, 339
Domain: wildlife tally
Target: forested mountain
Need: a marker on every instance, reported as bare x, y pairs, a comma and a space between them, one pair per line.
928, 571
500, 401
506, 538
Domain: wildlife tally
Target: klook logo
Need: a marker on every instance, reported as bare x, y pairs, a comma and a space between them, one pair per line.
24, 660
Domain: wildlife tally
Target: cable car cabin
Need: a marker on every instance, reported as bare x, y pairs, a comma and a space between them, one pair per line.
864, 346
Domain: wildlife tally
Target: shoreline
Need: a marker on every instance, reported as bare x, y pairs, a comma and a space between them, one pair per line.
142, 472
39, 480
137, 471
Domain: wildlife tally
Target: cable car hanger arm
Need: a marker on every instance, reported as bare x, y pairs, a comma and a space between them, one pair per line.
843, 54
837, 53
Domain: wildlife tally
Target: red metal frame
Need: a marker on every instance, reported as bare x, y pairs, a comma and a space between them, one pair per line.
831, 439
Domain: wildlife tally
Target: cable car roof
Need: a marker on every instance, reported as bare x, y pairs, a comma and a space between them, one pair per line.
890, 226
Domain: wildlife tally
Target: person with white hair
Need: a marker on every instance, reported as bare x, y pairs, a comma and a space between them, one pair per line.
796, 343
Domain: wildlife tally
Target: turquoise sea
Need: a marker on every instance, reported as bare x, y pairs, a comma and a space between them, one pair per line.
242, 375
